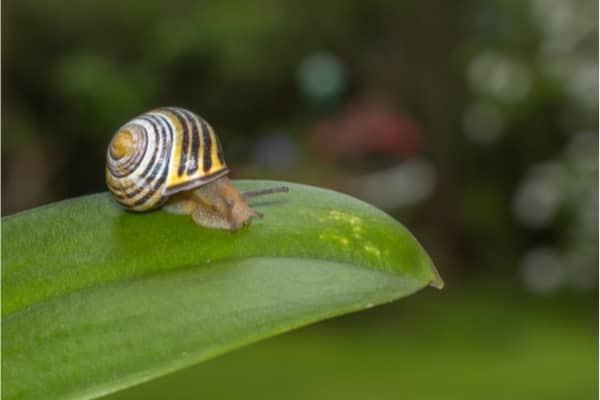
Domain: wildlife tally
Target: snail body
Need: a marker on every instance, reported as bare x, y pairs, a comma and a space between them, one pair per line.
171, 158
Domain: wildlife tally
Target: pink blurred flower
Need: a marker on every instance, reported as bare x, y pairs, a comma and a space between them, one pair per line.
367, 127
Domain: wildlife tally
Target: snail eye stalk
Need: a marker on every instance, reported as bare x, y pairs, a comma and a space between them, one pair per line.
262, 192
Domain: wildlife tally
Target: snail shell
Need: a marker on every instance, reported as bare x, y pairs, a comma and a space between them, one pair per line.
160, 153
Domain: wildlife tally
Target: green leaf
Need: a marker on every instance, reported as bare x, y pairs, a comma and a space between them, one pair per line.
95, 299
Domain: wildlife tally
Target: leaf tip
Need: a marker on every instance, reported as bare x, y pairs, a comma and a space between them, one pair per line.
437, 282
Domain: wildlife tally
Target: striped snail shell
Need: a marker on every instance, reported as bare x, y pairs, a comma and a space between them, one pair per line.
160, 153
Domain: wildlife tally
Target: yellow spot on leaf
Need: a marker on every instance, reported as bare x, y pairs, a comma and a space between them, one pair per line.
334, 237
370, 248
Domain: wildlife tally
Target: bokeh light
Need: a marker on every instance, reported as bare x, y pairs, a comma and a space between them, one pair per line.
493, 74
537, 200
483, 123
321, 77
542, 270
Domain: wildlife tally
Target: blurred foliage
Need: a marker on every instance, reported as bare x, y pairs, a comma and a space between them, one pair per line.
77, 73
436, 345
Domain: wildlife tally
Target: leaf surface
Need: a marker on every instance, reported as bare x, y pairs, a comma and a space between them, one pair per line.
95, 299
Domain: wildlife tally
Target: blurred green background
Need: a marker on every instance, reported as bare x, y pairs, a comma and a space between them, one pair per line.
474, 123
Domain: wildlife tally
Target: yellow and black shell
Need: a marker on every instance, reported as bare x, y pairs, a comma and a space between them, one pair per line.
160, 153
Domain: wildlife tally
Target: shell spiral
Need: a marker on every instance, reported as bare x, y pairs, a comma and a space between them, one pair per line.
160, 153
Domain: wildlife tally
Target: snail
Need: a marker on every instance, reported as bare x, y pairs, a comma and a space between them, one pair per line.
171, 158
